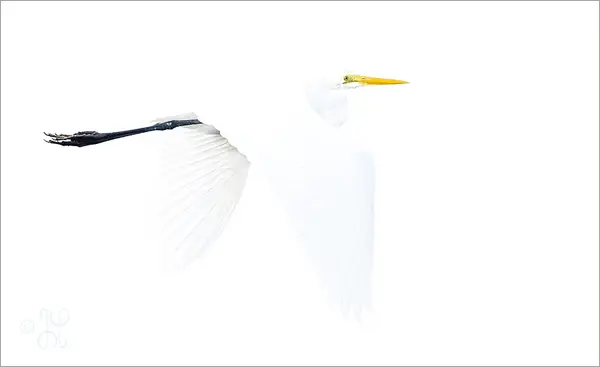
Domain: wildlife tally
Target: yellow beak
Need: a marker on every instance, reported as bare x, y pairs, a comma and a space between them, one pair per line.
369, 80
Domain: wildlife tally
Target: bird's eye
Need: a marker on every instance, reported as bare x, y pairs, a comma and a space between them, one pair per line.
346, 78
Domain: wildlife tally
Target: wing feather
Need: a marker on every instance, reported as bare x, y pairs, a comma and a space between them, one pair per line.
327, 187
204, 177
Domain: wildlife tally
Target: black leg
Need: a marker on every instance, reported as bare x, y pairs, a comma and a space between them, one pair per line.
84, 138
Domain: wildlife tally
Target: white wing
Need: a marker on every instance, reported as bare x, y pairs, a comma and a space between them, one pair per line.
327, 188
204, 179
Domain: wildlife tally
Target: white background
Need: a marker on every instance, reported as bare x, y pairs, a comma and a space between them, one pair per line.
487, 182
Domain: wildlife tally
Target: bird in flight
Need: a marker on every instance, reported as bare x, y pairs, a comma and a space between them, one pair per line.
325, 183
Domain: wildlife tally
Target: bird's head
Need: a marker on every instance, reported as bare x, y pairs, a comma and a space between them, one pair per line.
353, 80
328, 99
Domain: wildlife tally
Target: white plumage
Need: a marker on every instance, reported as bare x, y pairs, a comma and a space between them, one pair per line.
204, 176
327, 186
324, 181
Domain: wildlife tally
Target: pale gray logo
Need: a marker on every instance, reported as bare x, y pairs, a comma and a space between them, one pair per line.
51, 328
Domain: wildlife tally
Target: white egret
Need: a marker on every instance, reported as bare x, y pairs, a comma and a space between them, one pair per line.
325, 183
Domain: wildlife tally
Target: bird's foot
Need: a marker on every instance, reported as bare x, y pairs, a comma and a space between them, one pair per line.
78, 139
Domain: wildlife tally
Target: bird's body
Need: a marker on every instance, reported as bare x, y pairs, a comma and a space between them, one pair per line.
323, 179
